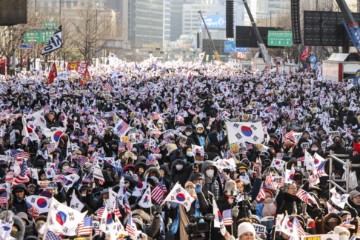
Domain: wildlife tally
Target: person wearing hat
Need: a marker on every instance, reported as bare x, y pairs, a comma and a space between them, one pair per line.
212, 182
19, 202
180, 171
200, 135
353, 201
29, 226
246, 231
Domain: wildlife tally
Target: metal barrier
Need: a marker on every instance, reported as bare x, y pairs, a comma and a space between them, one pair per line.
347, 165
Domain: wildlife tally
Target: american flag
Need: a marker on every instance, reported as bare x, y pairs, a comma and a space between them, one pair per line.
84, 139
108, 87
92, 147
21, 178
121, 147
157, 194
116, 210
71, 171
261, 195
163, 187
100, 212
51, 147
127, 205
3, 198
155, 150
122, 128
87, 179
84, 129
151, 160
131, 228
301, 231
129, 145
32, 210
227, 217
85, 227
269, 181
52, 236
320, 170
290, 136
17, 153
82, 160
305, 196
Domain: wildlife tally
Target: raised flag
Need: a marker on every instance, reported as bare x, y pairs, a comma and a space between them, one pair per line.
131, 228
227, 217
218, 219
64, 219
75, 203
305, 54
52, 74
55, 42
145, 201
50, 235
245, 132
305, 197
157, 194
179, 195
151, 160
298, 226
32, 210
85, 227
121, 128
21, 177
40, 202
54, 134
3, 198
116, 210
97, 173
127, 205
261, 195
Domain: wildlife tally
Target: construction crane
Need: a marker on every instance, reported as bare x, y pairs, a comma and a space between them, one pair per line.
351, 26
216, 54
260, 42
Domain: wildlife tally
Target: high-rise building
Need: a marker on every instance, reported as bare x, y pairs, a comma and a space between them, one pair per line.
145, 22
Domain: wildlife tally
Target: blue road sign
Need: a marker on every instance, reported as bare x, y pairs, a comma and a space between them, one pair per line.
230, 47
312, 59
26, 46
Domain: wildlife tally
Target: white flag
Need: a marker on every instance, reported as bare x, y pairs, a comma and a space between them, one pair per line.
245, 132
54, 134
309, 161
179, 195
55, 42
145, 201
218, 219
71, 179
112, 198
64, 219
40, 202
75, 202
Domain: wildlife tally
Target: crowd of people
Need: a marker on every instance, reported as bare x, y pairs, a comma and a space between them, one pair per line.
143, 151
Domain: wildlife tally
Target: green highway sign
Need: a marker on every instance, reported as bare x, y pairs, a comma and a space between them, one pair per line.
280, 38
38, 36
51, 24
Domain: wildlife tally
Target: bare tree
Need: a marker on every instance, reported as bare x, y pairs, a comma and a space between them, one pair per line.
90, 27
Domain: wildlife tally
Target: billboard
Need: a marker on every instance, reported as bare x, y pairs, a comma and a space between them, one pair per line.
214, 21
322, 28
13, 12
245, 36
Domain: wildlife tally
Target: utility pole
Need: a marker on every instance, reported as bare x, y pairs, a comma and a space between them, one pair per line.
216, 54
261, 44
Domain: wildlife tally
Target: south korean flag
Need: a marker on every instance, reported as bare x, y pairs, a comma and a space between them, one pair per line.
54, 43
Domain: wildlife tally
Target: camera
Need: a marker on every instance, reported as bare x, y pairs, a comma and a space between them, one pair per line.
199, 226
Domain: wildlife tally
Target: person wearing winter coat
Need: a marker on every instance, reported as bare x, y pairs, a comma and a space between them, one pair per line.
180, 171
212, 184
18, 229
19, 202
353, 203
287, 201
